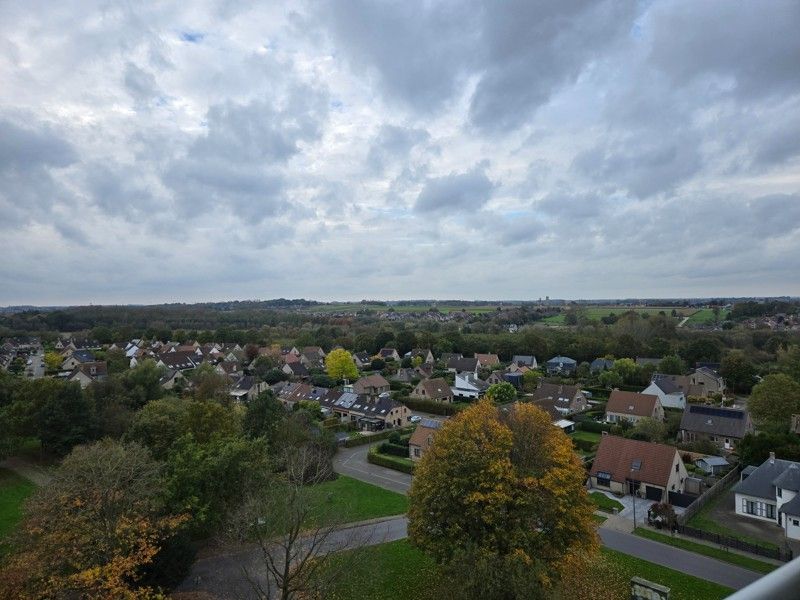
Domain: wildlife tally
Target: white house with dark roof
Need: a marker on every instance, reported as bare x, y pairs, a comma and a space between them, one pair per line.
771, 492
669, 394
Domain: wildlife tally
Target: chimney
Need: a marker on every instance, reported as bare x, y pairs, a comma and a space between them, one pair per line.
772, 458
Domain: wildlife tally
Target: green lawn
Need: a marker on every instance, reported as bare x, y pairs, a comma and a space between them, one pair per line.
605, 503
352, 500
599, 519
729, 557
705, 520
397, 571
704, 315
589, 436
683, 587
13, 492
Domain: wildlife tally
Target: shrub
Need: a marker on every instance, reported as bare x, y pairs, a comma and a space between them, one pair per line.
360, 440
593, 426
585, 445
436, 408
390, 462
393, 449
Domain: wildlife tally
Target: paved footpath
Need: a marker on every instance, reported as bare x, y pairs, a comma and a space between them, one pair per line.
684, 561
353, 463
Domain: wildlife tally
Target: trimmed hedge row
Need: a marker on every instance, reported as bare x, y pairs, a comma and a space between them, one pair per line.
393, 449
593, 426
360, 440
390, 462
585, 445
435, 408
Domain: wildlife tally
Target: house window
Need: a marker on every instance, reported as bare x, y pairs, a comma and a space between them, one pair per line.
778, 492
603, 479
677, 468
795, 522
416, 452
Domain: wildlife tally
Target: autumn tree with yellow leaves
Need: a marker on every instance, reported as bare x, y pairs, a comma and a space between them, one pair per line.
339, 365
498, 501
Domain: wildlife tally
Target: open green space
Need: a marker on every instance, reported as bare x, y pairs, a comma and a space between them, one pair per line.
13, 492
599, 519
605, 503
351, 500
589, 436
730, 557
406, 308
595, 313
397, 571
682, 586
705, 520
704, 315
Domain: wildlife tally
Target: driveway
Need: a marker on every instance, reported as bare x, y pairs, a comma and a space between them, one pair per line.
642, 505
353, 463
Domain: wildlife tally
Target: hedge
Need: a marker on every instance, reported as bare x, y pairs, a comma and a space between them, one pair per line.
585, 445
436, 408
593, 426
393, 449
360, 440
390, 462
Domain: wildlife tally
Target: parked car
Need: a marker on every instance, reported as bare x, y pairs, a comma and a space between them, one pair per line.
415, 418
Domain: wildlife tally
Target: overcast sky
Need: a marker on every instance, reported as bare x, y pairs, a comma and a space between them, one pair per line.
352, 149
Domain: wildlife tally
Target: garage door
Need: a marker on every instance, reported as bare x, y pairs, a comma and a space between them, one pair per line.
653, 493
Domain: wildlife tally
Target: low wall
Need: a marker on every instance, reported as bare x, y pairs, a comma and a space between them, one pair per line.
710, 494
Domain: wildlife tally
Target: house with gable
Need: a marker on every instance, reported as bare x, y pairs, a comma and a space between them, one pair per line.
86, 373
422, 438
559, 400
463, 365
371, 385
632, 407
77, 357
771, 492
424, 353
723, 426
561, 365
437, 390
669, 394
468, 385
487, 360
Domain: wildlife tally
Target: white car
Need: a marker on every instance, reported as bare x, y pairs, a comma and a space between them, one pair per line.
415, 418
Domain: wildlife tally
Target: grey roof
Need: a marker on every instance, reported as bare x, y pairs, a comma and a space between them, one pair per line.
715, 420
748, 470
522, 359
83, 356
759, 483
601, 363
430, 423
789, 479
666, 383
714, 461
792, 507
565, 360
463, 364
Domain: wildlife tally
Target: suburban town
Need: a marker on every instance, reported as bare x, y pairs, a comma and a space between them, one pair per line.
400, 300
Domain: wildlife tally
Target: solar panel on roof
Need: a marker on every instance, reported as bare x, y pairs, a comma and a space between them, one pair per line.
714, 411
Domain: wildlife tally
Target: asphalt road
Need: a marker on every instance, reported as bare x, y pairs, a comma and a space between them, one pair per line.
36, 369
232, 575
353, 463
686, 562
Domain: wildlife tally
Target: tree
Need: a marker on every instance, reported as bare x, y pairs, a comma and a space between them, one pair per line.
103, 513
737, 371
504, 495
754, 449
774, 401
789, 362
626, 368
377, 364
649, 430
263, 365
672, 365
262, 416
610, 379
501, 393
53, 361
405, 341
530, 380
142, 383
339, 365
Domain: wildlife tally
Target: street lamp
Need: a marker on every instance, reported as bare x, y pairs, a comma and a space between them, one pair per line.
634, 498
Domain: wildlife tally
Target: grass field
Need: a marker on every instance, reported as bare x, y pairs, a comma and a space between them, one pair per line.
729, 557
352, 500
704, 315
13, 492
589, 436
705, 520
396, 571
595, 313
605, 503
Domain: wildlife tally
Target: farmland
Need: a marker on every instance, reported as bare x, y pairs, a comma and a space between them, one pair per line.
595, 313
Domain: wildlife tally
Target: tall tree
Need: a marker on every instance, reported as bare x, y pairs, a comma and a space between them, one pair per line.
672, 365
339, 365
737, 371
503, 494
501, 393
773, 402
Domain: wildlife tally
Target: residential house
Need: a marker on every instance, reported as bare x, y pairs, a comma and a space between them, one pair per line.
377, 413
388, 354
424, 371
231, 369
559, 400
668, 392
314, 351
496, 377
598, 365
178, 361
247, 388
362, 360
405, 375
704, 382
424, 353
296, 369
468, 385
644, 469
446, 357
422, 438
437, 390
723, 426
523, 360
487, 360
771, 492
561, 365
78, 357
371, 385
86, 373
633, 407
170, 379
712, 366
310, 360
463, 365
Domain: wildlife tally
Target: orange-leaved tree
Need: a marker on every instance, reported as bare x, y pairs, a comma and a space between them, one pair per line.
498, 501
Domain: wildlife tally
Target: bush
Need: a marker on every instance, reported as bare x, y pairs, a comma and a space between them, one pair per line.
391, 462
593, 426
585, 445
360, 440
436, 408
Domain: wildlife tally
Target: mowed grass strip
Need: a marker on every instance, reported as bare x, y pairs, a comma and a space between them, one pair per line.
349, 500
14, 490
729, 557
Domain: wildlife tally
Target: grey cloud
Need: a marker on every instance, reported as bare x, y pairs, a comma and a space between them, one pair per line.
393, 143
22, 147
141, 85
456, 192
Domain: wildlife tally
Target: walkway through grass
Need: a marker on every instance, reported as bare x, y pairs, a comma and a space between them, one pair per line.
13, 492
351, 500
